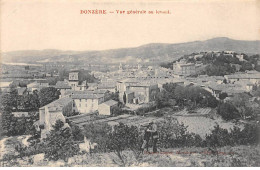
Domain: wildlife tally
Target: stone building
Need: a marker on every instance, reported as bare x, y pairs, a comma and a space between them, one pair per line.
183, 68
107, 107
50, 113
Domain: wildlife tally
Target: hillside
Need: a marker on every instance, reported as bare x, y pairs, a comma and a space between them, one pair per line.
152, 53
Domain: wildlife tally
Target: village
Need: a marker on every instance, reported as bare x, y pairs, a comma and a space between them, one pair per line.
133, 95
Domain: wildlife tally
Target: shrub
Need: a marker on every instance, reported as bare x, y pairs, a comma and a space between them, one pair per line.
221, 137
141, 111
228, 111
98, 133
77, 133
173, 134
59, 144
124, 137
218, 137
248, 136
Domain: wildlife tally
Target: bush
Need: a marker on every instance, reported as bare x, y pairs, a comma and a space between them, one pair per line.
141, 111
59, 144
124, 137
250, 135
118, 139
98, 133
173, 134
221, 137
218, 137
228, 111
77, 133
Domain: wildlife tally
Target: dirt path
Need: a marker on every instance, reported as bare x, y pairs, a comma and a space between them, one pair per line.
2, 147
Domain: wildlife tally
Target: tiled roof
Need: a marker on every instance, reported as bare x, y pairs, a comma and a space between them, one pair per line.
106, 85
228, 88
62, 85
92, 84
87, 96
244, 76
110, 102
100, 91
129, 80
59, 103
42, 81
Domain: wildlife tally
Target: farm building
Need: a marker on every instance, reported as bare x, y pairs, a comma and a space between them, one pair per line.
107, 107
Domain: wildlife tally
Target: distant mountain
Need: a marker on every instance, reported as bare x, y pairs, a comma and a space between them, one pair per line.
152, 53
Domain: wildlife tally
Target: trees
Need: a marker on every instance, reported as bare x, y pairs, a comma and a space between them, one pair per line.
77, 133
223, 95
246, 66
124, 98
17, 126
241, 102
228, 111
30, 102
124, 137
197, 96
179, 93
10, 100
173, 134
219, 137
219, 69
191, 96
98, 133
118, 139
59, 144
47, 95
163, 99
84, 75
8, 122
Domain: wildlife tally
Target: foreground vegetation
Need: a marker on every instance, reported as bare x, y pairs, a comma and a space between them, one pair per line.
63, 144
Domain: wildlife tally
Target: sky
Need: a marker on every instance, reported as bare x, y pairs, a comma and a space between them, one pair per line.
58, 24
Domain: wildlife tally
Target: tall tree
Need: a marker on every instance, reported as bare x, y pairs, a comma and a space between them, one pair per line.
48, 95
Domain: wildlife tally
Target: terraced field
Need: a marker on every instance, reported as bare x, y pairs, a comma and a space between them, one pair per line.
81, 120
196, 121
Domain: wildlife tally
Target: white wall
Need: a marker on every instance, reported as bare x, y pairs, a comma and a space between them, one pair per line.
104, 109
86, 106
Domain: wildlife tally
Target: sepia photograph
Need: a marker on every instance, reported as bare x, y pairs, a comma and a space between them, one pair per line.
129, 83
